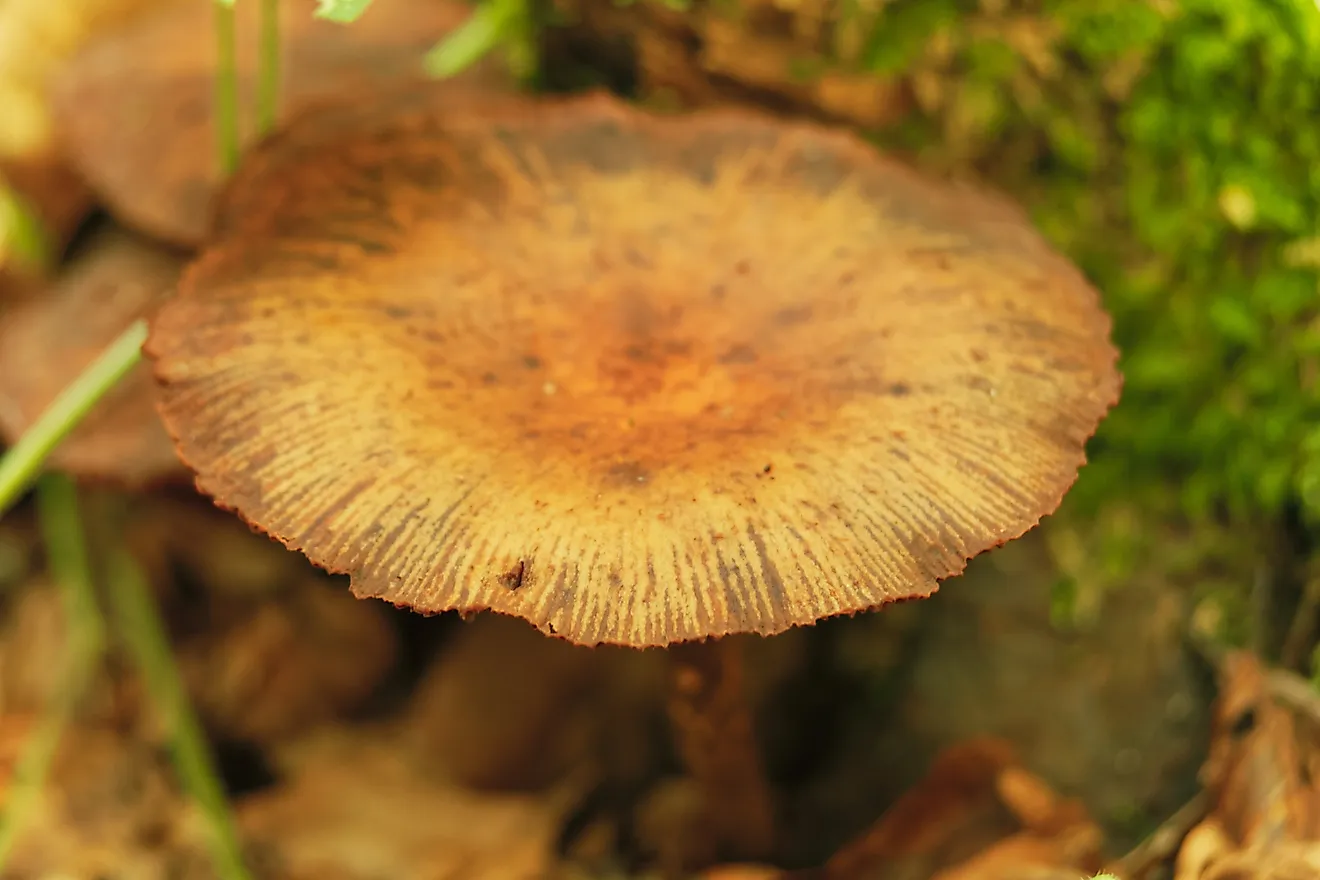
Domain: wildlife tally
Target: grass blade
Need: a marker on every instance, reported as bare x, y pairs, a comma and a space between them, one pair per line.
140, 625
66, 552
21, 465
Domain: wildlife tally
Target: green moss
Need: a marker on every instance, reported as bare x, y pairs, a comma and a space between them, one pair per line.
1170, 149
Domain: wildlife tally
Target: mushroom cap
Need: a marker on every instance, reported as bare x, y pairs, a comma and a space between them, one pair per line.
48, 338
135, 108
635, 379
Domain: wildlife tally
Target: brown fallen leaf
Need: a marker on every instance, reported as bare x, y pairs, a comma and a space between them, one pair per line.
1026, 856
1264, 820
280, 666
1288, 861
268, 646
36, 38
742, 872
110, 809
186, 537
36, 659
1255, 763
704, 57
978, 815
358, 810
49, 338
951, 815
135, 108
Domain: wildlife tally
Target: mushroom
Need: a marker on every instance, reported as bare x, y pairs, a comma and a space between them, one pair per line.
135, 108
48, 338
640, 380
36, 38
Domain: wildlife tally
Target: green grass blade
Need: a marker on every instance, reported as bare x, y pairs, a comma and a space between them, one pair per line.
22, 238
140, 625
469, 43
21, 465
69, 563
341, 11
268, 87
226, 86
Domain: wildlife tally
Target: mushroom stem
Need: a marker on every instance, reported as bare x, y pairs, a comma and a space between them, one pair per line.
713, 731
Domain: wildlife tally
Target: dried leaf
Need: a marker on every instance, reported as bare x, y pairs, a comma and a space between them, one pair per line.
355, 811
1255, 765
49, 338
135, 108
965, 820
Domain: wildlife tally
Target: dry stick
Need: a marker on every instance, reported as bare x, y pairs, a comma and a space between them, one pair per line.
1301, 630
1298, 694
66, 549
1164, 842
713, 727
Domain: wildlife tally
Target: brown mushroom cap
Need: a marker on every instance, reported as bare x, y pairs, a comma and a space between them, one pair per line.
135, 109
51, 336
635, 379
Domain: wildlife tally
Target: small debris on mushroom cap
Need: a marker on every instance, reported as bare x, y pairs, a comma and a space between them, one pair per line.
361, 368
135, 109
49, 337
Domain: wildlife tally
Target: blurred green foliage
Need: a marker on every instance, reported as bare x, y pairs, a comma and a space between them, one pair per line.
23, 242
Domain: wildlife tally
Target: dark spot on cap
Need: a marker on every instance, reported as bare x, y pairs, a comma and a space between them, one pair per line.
513, 578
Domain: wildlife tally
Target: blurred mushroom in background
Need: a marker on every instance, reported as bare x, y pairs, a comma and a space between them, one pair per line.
135, 109
36, 40
268, 648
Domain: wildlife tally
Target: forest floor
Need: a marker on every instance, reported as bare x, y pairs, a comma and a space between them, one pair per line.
964, 737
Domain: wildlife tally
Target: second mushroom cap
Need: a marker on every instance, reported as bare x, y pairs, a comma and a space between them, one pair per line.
636, 379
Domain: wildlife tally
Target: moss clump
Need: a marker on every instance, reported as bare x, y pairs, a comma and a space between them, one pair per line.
1169, 149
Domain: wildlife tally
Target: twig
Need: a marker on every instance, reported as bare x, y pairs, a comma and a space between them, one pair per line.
1163, 843
1295, 692
144, 633
67, 558
23, 462
1301, 630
